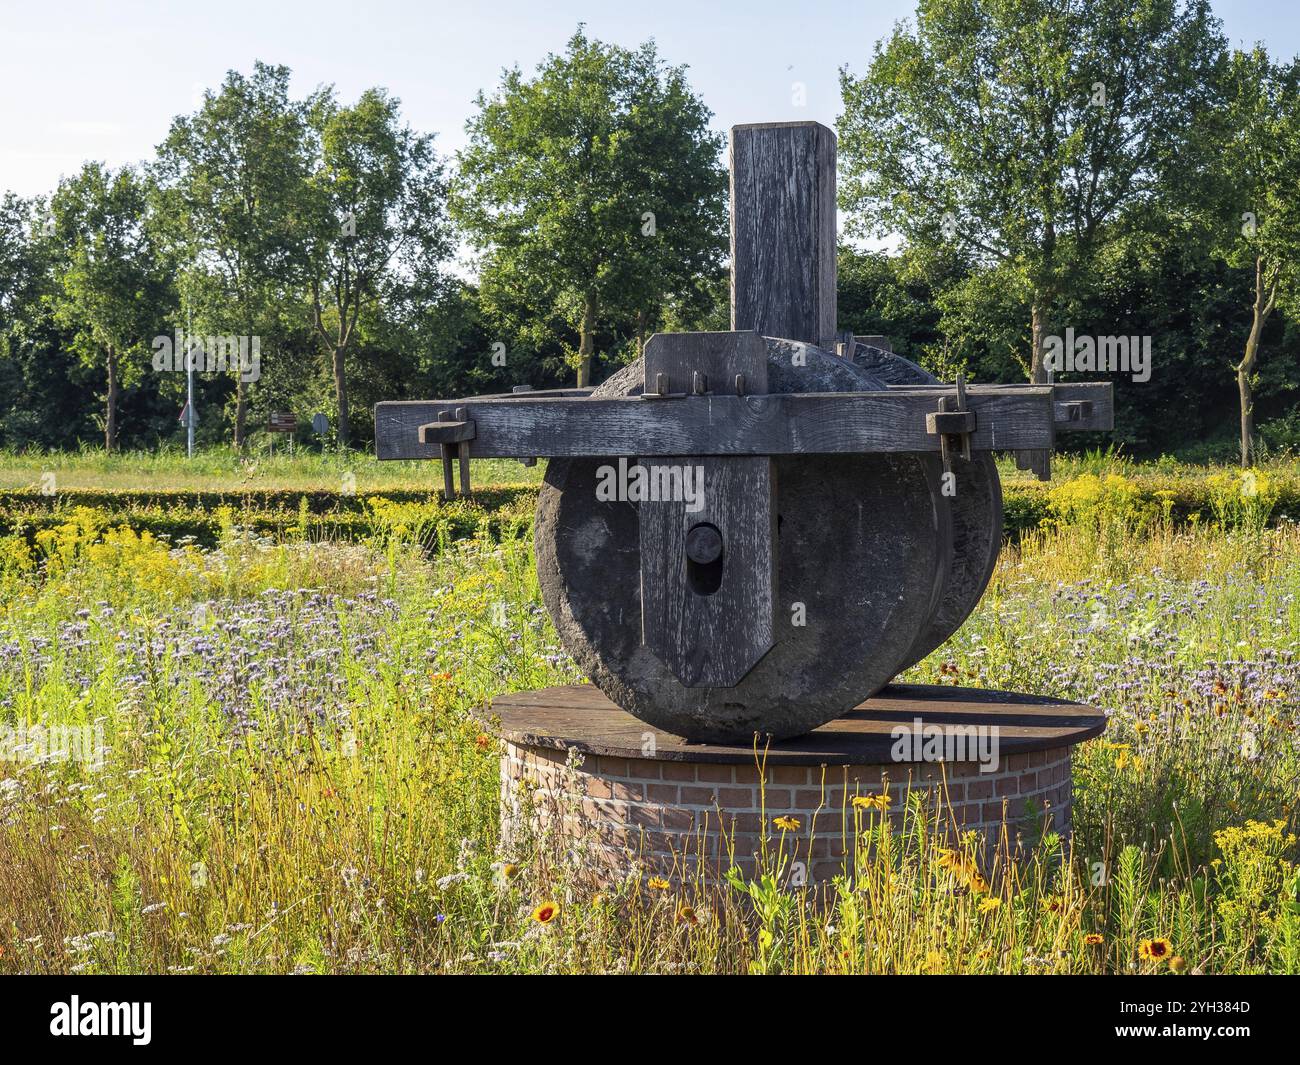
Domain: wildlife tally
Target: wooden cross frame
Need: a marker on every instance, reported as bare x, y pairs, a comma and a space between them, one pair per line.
708, 575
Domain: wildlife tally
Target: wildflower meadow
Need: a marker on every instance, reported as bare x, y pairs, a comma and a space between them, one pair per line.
283, 764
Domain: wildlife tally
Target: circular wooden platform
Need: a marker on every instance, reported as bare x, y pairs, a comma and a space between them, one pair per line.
583, 718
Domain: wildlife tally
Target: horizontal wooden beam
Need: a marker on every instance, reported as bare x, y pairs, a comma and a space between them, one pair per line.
787, 424
1101, 394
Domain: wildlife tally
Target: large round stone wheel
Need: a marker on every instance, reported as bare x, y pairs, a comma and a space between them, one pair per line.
976, 515
864, 553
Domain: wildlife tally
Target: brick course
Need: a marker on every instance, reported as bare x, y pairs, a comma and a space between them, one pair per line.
668, 815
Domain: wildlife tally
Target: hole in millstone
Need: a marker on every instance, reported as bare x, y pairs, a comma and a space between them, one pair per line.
704, 558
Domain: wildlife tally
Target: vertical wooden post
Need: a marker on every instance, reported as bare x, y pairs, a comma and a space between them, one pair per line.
783, 233
708, 574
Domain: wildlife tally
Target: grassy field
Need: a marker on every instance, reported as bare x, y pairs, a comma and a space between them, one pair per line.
225, 470
309, 469
286, 774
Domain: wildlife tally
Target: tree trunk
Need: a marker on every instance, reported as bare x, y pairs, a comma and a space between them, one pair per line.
1040, 462
587, 344
241, 411
341, 395
1038, 331
1260, 310
1247, 417
110, 403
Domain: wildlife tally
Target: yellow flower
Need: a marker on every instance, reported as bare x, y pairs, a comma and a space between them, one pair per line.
872, 802
1155, 949
963, 869
1177, 963
658, 883
989, 905
1053, 904
509, 870
786, 823
546, 912
1094, 939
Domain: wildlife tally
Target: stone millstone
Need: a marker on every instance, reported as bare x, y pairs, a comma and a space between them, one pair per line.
976, 514
863, 554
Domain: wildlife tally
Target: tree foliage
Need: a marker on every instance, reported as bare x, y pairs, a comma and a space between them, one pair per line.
1019, 131
594, 188
111, 290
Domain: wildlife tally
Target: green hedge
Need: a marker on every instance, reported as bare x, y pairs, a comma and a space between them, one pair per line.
281, 515
502, 510
269, 500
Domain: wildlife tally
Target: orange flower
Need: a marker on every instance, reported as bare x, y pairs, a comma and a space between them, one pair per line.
658, 883
686, 915
483, 740
1094, 939
1155, 949
546, 912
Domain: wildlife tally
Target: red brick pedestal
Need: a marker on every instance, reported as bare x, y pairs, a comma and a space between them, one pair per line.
579, 773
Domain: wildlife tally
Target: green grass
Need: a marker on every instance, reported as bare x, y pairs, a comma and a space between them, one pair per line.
225, 470
294, 779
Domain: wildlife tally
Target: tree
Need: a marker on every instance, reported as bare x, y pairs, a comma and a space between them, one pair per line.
15, 251
595, 187
379, 227
1019, 130
233, 177
1260, 168
109, 285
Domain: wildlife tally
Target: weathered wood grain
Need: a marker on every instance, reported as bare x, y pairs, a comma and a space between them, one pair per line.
710, 638
446, 432
1101, 394
792, 424
719, 356
783, 233
583, 718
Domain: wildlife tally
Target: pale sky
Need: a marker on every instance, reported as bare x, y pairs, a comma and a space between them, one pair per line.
82, 80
